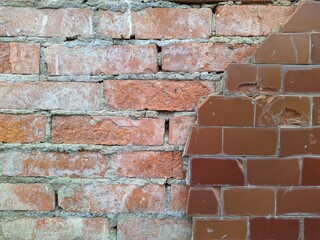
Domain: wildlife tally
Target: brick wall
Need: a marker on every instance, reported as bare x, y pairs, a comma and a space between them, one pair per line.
96, 102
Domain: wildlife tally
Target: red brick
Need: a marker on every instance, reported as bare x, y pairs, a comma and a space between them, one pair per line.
70, 22
22, 128
179, 129
226, 111
28, 197
101, 198
147, 229
149, 165
179, 198
213, 1
249, 201
167, 23
311, 229
57, 228
214, 171
298, 200
97, 60
50, 95
249, 20
271, 228
206, 228
273, 172
250, 141
203, 57
311, 172
315, 47
19, 58
155, 95
203, 201
54, 164
316, 111
107, 130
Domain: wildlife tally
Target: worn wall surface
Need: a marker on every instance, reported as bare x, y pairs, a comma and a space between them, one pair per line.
96, 102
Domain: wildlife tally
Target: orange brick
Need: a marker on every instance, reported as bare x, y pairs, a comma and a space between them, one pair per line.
179, 129
179, 198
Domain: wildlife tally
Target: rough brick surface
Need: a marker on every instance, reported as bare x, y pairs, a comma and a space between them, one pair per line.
98, 60
179, 129
22, 128
155, 95
38, 197
179, 198
112, 198
107, 130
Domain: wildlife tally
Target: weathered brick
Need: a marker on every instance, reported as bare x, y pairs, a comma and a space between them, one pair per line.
107, 130
22, 128
203, 57
179, 129
250, 20
167, 23
149, 165
50, 95
149, 229
70, 22
179, 198
56, 228
100, 198
19, 58
54, 164
101, 59
155, 95
38, 197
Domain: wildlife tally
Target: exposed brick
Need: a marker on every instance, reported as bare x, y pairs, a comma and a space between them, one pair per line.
249, 201
298, 200
56, 228
226, 111
100, 198
107, 130
70, 22
273, 172
50, 95
283, 110
54, 164
179, 129
155, 95
147, 229
101, 59
179, 198
149, 165
210, 1
253, 79
250, 141
203, 201
311, 172
219, 228
167, 23
22, 128
249, 20
311, 228
214, 171
203, 57
19, 58
38, 197
294, 141
271, 228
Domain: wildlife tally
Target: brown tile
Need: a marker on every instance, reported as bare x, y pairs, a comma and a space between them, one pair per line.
226, 111
311, 229
203, 201
305, 18
205, 141
315, 47
282, 110
302, 79
213, 171
253, 79
298, 200
316, 111
248, 201
219, 229
250, 141
275, 229
294, 141
284, 48
274, 172
311, 172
